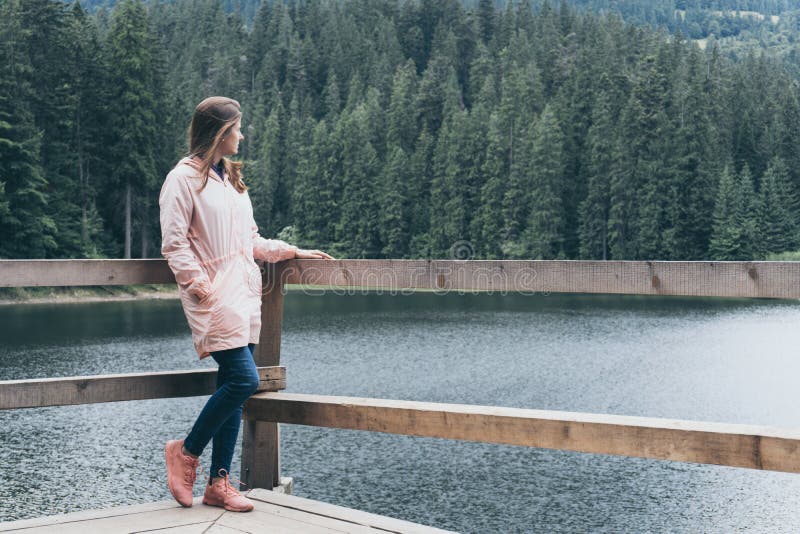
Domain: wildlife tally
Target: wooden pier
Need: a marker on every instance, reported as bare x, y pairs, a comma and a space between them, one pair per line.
274, 513
748, 446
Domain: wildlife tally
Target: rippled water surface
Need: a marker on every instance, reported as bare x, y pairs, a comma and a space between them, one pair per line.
704, 359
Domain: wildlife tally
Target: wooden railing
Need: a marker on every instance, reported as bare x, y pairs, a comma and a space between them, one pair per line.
37, 393
758, 279
755, 447
688, 441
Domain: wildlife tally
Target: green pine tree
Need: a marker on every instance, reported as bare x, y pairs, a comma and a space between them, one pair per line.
358, 226
316, 194
28, 230
546, 226
488, 223
594, 209
752, 240
394, 201
726, 238
266, 174
736, 235
419, 195
778, 225
133, 130
402, 113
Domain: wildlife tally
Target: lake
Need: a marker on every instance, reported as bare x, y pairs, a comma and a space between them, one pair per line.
723, 360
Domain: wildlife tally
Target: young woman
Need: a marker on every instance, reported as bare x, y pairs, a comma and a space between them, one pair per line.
210, 240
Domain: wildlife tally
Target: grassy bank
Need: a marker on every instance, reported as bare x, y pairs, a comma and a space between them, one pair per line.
17, 295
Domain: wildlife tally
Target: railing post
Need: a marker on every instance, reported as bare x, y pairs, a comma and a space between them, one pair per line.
261, 440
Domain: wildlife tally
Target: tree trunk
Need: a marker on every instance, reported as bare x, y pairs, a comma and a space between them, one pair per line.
83, 189
127, 221
145, 236
84, 203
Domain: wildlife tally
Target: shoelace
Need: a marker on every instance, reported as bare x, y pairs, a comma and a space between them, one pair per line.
190, 469
225, 476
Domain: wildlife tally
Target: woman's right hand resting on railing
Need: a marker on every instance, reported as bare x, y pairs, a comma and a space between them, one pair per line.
302, 254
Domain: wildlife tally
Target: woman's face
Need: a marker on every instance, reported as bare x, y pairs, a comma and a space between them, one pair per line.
230, 145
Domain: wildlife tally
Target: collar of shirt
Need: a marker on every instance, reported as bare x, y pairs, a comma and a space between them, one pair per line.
219, 168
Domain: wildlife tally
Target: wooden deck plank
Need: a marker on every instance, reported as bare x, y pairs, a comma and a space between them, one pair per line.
219, 529
126, 524
86, 515
274, 513
257, 521
282, 512
121, 519
350, 515
194, 528
129, 523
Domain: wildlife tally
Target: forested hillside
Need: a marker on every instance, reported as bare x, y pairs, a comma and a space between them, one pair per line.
696, 19
377, 128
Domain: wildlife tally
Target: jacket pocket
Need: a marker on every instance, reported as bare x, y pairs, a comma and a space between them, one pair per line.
207, 303
230, 309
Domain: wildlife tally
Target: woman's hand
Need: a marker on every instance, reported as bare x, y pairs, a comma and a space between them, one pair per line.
303, 254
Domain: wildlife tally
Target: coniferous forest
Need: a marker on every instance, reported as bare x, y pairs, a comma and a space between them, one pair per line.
399, 129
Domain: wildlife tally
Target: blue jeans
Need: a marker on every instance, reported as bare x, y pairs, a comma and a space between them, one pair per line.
237, 380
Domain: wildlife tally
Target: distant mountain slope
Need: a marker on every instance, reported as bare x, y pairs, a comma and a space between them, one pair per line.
738, 27
696, 19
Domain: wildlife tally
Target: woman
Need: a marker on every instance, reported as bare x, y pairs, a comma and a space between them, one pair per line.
210, 240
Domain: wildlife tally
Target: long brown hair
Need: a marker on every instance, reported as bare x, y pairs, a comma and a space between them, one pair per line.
212, 120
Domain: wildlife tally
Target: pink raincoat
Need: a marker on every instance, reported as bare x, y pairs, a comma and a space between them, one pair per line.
210, 240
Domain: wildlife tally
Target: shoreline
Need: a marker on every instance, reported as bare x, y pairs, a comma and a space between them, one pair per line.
88, 299
96, 294
74, 295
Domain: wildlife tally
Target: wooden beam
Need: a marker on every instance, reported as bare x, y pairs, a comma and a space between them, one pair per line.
761, 279
755, 447
39, 392
38, 273
268, 350
261, 465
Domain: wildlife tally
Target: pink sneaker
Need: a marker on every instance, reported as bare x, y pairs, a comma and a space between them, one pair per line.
181, 472
221, 493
